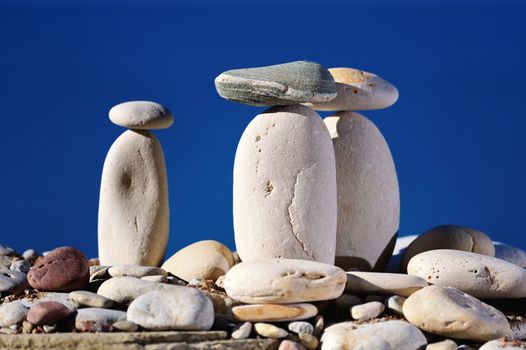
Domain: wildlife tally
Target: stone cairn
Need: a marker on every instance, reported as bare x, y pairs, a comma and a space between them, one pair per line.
318, 263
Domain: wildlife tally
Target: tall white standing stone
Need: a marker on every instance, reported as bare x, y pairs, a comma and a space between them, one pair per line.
133, 208
285, 187
368, 195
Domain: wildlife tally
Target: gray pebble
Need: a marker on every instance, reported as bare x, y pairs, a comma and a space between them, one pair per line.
12, 282
12, 313
21, 265
98, 320
299, 327
243, 331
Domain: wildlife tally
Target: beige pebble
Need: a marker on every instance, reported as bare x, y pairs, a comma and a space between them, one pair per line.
243, 331
90, 299
274, 312
447, 344
301, 327
270, 331
395, 303
206, 260
308, 341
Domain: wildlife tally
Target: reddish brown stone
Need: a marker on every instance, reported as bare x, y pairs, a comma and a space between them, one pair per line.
47, 312
63, 269
290, 345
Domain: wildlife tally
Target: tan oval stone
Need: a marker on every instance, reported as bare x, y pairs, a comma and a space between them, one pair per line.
283, 281
449, 237
206, 260
358, 90
368, 195
452, 313
141, 115
133, 207
274, 312
479, 275
383, 283
285, 187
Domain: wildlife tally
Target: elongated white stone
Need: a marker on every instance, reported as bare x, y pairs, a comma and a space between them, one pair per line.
133, 208
285, 187
368, 195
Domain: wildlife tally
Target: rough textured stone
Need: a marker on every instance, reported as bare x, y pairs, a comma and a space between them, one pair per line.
135, 271
383, 283
206, 260
133, 206
452, 313
119, 341
367, 311
125, 289
47, 312
388, 335
281, 84
63, 269
449, 237
447, 344
270, 331
12, 313
368, 194
12, 282
285, 187
141, 115
479, 275
179, 308
97, 320
358, 90
86, 298
283, 281
274, 312
511, 254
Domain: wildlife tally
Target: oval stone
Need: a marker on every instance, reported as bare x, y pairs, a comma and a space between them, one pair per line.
383, 283
449, 237
274, 312
281, 84
283, 281
285, 187
206, 260
133, 207
388, 335
180, 308
358, 90
482, 276
135, 271
11, 313
63, 269
125, 289
141, 115
452, 313
511, 254
47, 312
368, 194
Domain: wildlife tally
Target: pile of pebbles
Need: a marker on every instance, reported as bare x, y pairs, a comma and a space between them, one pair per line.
316, 215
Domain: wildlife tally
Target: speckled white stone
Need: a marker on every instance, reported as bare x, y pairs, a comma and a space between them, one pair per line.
285, 187
368, 194
482, 276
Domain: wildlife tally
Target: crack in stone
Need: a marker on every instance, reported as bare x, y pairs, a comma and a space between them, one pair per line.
289, 212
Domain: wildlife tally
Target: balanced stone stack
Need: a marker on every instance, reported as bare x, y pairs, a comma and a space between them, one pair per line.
133, 210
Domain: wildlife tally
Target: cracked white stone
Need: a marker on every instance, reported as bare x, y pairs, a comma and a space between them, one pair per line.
285, 187
368, 194
482, 276
133, 207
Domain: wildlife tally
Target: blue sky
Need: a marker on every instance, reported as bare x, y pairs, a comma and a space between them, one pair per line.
456, 133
